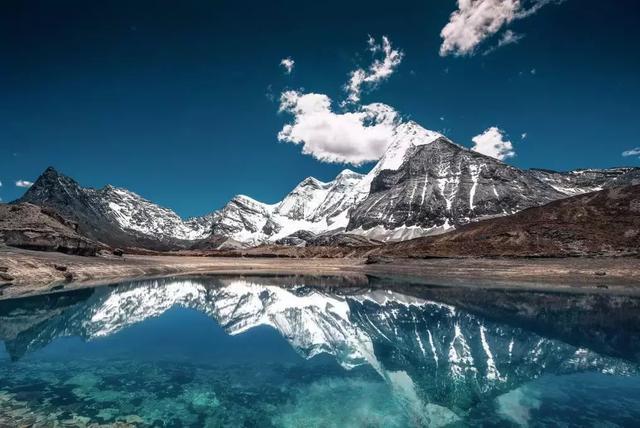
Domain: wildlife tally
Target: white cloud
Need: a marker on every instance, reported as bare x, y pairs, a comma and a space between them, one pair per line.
633, 152
288, 64
476, 20
508, 38
379, 70
24, 183
351, 137
493, 143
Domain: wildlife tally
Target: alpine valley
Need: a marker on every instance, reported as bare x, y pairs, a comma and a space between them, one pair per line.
424, 184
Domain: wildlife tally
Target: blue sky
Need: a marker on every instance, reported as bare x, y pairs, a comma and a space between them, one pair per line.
179, 101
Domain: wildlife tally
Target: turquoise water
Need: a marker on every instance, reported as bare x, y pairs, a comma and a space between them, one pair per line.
317, 352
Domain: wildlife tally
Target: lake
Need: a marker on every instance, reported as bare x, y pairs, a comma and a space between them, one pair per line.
287, 351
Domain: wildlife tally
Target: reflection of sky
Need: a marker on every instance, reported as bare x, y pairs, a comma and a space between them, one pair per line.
178, 334
3, 351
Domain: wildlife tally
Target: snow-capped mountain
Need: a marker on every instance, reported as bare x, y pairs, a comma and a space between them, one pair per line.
434, 186
303, 200
312, 206
428, 352
113, 215
133, 212
423, 184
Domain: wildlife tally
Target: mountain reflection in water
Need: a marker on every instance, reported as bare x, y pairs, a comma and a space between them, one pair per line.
416, 356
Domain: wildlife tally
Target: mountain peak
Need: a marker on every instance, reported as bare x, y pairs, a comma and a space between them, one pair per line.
47, 183
347, 173
313, 182
248, 202
405, 136
50, 171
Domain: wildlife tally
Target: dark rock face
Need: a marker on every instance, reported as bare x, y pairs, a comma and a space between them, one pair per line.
98, 213
441, 184
343, 240
31, 227
297, 239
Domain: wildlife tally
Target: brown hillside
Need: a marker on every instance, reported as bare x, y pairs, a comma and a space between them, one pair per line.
606, 223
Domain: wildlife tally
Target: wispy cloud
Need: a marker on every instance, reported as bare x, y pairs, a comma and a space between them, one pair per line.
351, 137
492, 142
508, 38
380, 70
476, 20
633, 152
24, 183
287, 64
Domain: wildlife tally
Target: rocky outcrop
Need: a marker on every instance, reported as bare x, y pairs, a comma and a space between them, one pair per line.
31, 227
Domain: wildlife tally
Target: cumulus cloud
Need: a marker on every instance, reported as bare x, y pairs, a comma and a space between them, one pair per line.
351, 137
492, 143
633, 152
379, 71
287, 64
476, 20
24, 183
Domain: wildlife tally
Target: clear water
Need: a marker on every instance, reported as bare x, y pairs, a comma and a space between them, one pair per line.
317, 352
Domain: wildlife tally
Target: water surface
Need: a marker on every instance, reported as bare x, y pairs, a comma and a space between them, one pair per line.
301, 351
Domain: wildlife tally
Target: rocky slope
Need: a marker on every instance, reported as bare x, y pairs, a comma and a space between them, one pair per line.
606, 222
32, 227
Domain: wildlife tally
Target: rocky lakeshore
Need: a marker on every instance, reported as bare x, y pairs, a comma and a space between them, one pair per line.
26, 272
